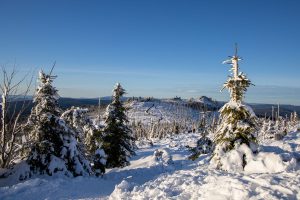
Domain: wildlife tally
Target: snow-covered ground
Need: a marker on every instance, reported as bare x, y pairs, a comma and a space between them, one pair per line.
176, 178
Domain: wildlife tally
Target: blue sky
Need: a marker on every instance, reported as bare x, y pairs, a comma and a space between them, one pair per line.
156, 48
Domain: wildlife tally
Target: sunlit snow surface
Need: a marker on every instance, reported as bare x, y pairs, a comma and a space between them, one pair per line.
149, 178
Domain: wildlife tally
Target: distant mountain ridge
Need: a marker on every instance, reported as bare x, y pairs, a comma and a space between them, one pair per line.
260, 109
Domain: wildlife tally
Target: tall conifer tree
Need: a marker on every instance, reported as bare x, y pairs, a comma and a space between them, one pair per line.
118, 142
54, 146
238, 125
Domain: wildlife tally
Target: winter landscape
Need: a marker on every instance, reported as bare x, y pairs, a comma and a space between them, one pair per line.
143, 118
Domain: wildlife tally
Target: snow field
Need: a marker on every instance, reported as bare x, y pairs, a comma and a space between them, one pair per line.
151, 178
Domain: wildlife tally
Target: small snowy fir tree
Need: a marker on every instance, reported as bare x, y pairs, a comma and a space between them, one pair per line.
118, 142
238, 126
54, 145
88, 137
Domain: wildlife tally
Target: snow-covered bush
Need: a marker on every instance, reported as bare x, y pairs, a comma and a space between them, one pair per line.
204, 146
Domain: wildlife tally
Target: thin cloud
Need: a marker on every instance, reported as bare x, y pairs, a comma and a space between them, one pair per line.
106, 72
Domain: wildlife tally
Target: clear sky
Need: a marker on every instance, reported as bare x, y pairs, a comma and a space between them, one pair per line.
160, 48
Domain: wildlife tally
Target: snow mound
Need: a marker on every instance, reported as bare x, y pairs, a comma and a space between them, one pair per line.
241, 159
122, 190
269, 163
20, 171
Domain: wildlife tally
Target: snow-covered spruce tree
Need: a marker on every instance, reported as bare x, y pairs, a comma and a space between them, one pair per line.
54, 147
118, 142
88, 137
236, 134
